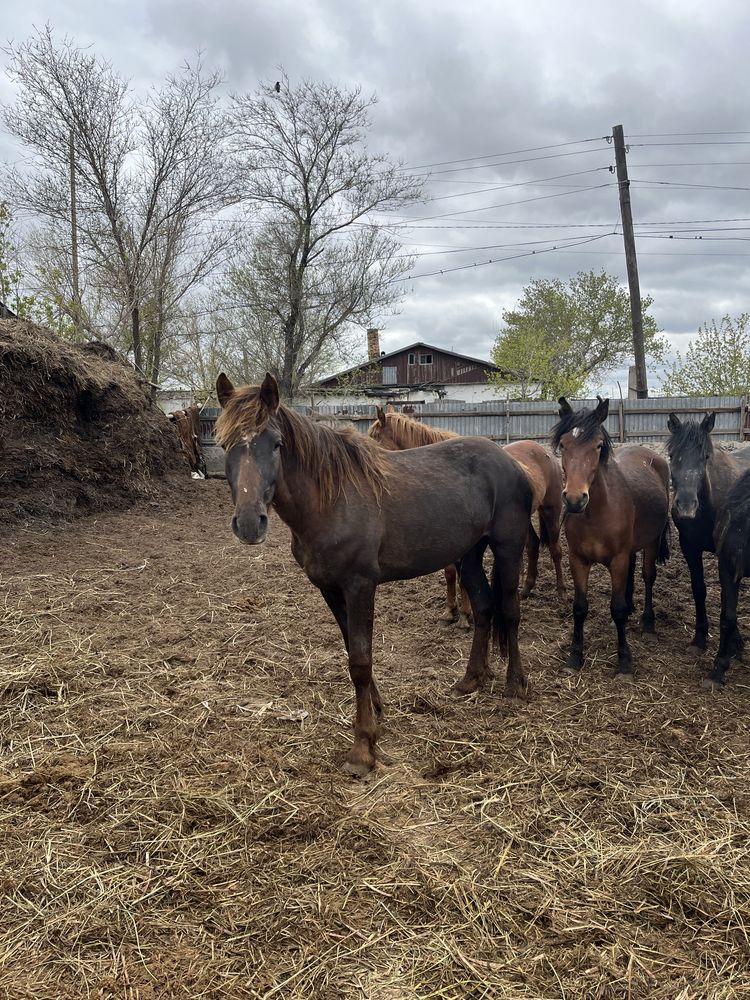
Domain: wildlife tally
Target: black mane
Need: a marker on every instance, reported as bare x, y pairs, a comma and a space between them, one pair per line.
589, 425
690, 436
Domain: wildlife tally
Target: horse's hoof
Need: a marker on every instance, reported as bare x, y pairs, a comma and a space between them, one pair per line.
358, 768
625, 676
525, 594
695, 651
467, 685
649, 635
520, 691
448, 618
712, 684
464, 623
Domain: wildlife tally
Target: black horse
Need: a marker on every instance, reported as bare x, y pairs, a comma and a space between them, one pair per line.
733, 551
702, 477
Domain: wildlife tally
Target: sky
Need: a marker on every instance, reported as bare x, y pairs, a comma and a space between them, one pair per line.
517, 98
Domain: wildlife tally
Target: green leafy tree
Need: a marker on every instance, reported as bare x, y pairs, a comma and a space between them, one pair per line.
717, 362
560, 337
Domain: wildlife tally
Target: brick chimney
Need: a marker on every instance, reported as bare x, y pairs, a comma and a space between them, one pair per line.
373, 344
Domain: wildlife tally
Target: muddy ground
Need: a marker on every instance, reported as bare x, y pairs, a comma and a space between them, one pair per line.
174, 821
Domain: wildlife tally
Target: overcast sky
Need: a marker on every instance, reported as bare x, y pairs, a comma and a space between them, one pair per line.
522, 94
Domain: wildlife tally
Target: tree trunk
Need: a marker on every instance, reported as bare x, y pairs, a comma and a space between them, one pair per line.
135, 319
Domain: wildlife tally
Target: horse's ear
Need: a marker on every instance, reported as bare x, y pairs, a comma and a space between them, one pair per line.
390, 408
269, 393
707, 424
565, 407
673, 423
224, 389
601, 410
381, 415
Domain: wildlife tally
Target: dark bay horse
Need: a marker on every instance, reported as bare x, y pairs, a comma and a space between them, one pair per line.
396, 431
733, 550
702, 477
360, 516
615, 506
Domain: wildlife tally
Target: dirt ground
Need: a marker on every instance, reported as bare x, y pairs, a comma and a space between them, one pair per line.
174, 821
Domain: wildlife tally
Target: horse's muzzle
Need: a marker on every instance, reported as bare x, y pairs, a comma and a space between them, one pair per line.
575, 505
250, 526
682, 511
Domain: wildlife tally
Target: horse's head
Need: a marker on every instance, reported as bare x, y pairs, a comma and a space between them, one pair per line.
689, 448
251, 439
382, 431
584, 445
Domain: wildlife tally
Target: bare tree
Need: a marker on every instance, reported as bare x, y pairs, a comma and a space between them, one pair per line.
319, 259
150, 177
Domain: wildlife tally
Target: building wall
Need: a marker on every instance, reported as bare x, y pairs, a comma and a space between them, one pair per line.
443, 368
477, 392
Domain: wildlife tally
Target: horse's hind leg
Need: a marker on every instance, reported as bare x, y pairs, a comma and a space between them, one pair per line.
532, 561
451, 610
505, 587
464, 606
648, 571
551, 519
360, 612
480, 595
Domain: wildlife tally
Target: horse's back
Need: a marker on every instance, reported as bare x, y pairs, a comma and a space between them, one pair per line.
647, 477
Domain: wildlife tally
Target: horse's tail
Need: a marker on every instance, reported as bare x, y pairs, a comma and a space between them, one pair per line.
663, 554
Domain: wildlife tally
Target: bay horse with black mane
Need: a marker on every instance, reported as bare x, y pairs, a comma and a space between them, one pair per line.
702, 477
396, 431
616, 505
361, 516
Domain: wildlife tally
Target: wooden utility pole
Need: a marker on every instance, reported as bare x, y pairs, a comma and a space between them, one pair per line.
74, 236
639, 350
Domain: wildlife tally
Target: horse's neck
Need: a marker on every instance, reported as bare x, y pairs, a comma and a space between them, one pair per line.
601, 488
296, 500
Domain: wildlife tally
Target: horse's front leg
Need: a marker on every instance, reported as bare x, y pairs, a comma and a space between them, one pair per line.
579, 570
730, 640
480, 595
619, 571
694, 559
334, 598
360, 613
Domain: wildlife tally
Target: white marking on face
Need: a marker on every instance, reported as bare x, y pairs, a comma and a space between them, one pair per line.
244, 489
576, 431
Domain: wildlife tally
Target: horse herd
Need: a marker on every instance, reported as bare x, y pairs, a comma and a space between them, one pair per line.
407, 500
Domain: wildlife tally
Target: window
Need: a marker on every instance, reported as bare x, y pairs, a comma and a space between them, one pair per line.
425, 359
390, 375
411, 358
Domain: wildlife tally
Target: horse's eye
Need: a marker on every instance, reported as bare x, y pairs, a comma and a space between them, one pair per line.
277, 445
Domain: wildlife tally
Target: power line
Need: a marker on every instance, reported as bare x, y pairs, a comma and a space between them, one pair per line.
511, 152
502, 187
506, 204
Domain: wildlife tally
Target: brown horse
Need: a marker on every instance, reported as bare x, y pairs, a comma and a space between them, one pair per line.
360, 516
615, 507
396, 432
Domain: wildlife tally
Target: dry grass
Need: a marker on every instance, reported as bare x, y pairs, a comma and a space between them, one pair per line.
175, 824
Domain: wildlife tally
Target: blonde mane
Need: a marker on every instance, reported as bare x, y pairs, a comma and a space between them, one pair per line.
333, 457
409, 433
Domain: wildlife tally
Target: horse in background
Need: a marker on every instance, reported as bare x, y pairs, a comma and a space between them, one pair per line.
188, 427
733, 551
702, 478
361, 516
616, 505
396, 431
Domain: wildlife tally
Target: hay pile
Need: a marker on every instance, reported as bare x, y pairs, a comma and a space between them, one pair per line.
79, 432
